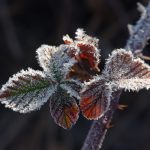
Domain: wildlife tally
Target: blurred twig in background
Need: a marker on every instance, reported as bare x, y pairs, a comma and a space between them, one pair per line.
9, 31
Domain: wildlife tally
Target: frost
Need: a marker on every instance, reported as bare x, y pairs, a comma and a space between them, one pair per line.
95, 98
44, 55
127, 72
72, 87
82, 37
26, 91
122, 71
134, 84
63, 67
61, 63
64, 108
55, 61
67, 39
85, 48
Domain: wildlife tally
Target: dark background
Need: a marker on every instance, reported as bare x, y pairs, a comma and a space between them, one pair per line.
24, 26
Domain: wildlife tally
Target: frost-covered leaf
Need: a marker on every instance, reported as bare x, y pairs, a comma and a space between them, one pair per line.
26, 91
63, 108
127, 72
44, 54
88, 48
134, 84
95, 98
56, 61
60, 63
86, 52
73, 87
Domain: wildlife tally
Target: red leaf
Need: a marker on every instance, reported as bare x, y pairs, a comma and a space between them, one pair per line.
64, 109
88, 51
85, 47
95, 99
90, 108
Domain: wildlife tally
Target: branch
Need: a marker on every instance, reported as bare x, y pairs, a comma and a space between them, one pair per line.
139, 35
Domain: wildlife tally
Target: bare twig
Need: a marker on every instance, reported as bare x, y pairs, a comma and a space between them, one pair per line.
137, 41
141, 31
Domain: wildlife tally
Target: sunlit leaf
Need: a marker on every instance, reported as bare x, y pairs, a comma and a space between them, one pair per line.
95, 98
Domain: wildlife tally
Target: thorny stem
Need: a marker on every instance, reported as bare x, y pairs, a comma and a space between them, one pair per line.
139, 35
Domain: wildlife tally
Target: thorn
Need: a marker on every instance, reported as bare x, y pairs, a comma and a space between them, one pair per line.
144, 57
109, 125
130, 28
137, 52
141, 8
72, 70
122, 107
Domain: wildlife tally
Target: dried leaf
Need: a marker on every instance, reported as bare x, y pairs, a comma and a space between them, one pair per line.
26, 91
63, 108
95, 98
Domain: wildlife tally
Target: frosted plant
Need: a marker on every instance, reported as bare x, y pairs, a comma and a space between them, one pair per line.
29, 90
64, 69
122, 71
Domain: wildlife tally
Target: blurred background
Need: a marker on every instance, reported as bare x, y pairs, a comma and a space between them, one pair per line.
24, 26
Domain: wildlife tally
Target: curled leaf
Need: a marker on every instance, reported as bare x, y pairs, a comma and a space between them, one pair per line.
60, 63
85, 50
55, 61
88, 48
44, 55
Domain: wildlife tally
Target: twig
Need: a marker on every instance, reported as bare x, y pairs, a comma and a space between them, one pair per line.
140, 33
137, 41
